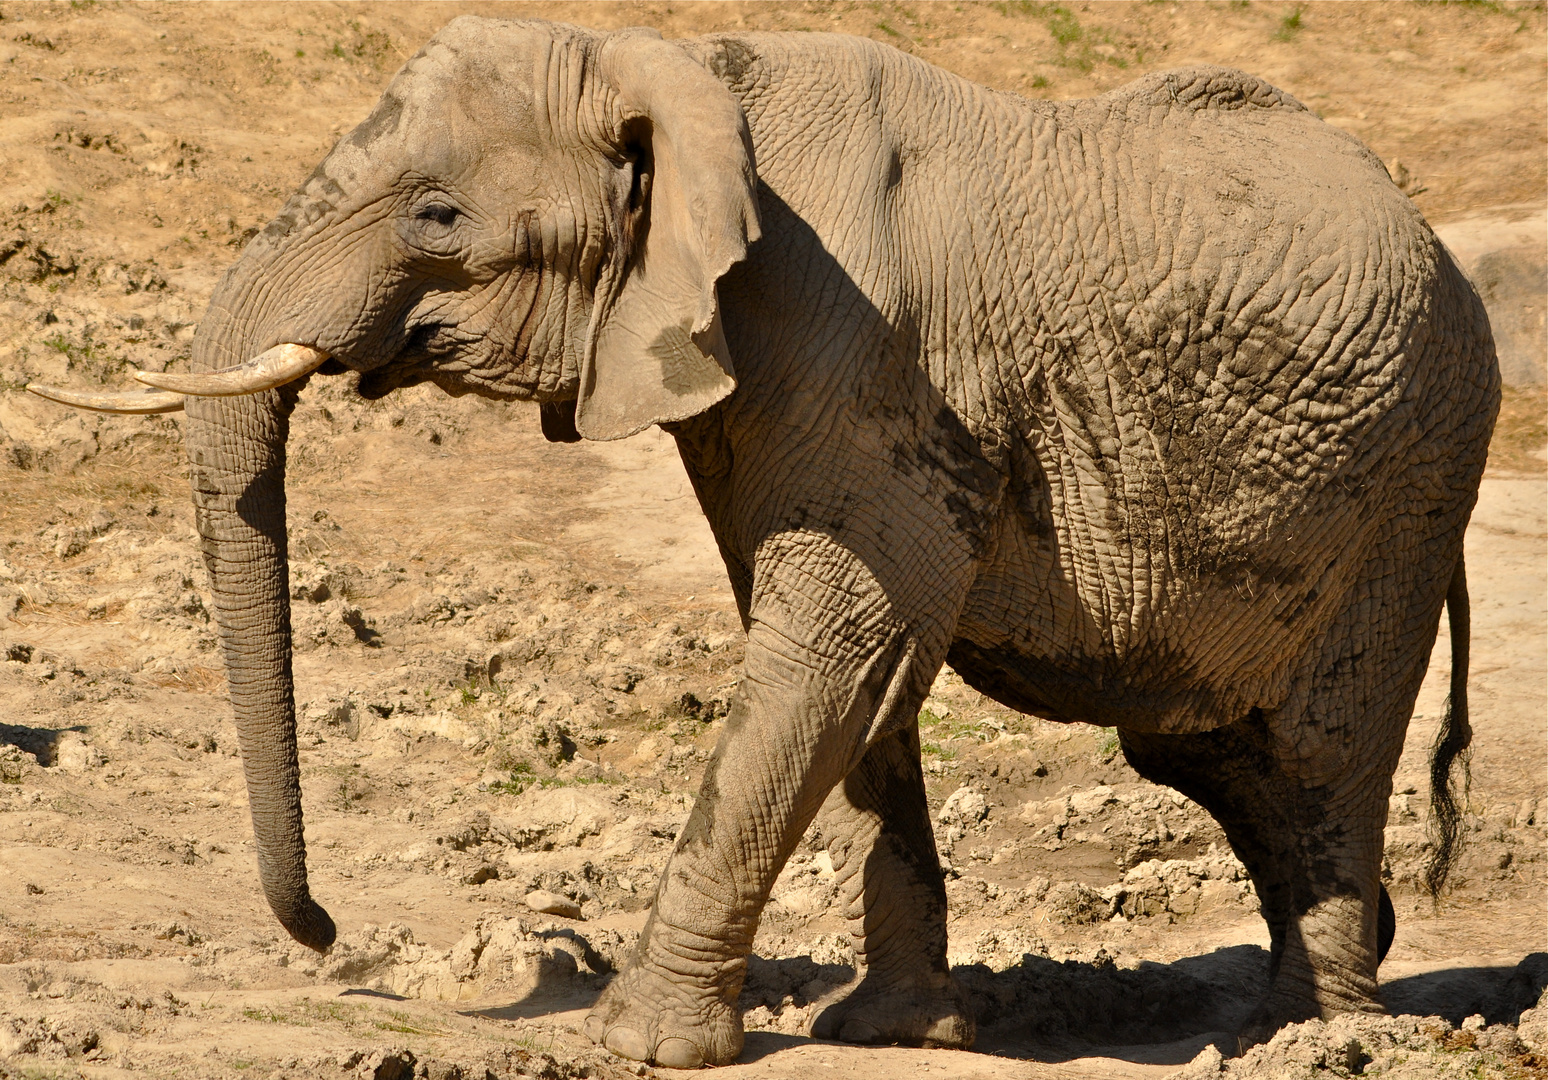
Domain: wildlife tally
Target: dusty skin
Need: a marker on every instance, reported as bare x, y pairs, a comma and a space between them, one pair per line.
515, 655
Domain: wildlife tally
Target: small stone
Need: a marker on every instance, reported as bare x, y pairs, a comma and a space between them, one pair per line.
1350, 1056
392, 1064
1532, 1029
1475, 1022
1089, 802
546, 903
963, 807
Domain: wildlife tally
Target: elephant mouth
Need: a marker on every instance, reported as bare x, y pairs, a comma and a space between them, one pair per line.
425, 347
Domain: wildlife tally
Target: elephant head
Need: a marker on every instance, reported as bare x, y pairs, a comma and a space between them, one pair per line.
531, 212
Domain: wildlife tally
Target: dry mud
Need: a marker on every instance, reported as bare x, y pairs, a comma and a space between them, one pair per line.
513, 657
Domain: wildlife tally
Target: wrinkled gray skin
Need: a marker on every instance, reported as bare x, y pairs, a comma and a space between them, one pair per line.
1162, 410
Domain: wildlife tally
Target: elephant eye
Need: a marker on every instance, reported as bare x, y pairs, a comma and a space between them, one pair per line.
438, 213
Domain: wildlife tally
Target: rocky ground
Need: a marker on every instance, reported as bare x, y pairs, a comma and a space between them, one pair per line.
513, 657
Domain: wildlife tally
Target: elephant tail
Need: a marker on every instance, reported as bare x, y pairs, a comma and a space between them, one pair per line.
1451, 744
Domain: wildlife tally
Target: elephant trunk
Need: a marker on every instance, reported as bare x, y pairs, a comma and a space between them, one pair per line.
236, 453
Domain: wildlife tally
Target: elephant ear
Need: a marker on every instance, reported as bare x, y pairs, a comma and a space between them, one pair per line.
655, 351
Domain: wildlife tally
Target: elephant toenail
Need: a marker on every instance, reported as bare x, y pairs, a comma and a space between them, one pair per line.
627, 1043
859, 1031
675, 1053
595, 1028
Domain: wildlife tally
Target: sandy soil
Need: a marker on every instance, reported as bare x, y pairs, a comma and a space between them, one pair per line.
512, 657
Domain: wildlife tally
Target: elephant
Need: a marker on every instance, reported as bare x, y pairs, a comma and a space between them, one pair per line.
1162, 410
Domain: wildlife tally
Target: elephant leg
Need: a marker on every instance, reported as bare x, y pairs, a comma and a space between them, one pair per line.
1232, 772
1301, 790
1313, 853
877, 824
832, 667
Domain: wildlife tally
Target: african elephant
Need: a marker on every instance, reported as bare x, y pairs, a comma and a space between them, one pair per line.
1162, 410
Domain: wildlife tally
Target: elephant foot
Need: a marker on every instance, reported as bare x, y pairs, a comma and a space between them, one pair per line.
667, 1020
1280, 1010
933, 1013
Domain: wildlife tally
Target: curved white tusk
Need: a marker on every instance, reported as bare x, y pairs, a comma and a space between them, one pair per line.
137, 402
278, 366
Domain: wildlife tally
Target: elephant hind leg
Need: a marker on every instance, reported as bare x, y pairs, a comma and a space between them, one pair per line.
877, 826
1301, 790
1313, 853
1232, 772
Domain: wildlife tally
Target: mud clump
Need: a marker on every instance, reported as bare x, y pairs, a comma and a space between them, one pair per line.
1397, 1046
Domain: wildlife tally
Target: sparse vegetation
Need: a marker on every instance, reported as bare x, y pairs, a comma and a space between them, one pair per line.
1289, 26
1108, 748
936, 750
92, 355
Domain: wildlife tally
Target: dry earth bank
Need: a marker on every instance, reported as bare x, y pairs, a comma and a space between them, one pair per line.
513, 657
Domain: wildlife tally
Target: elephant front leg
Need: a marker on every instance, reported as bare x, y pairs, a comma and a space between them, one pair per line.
803, 717
878, 828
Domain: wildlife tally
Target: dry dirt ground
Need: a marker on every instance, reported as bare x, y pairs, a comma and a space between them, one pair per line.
513, 656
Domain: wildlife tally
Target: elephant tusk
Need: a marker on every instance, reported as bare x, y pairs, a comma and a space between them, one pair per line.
278, 366
137, 402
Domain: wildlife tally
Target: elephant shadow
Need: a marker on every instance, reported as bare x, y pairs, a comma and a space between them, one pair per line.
1052, 1011
1163, 1014
41, 743
1155, 1013
1497, 993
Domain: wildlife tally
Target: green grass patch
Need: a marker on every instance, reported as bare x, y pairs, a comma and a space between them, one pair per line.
1076, 46
936, 750
1108, 748
516, 783
1062, 24
1289, 26
950, 729
404, 1024
87, 352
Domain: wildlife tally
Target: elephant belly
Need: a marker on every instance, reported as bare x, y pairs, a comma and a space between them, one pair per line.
1093, 690
1150, 653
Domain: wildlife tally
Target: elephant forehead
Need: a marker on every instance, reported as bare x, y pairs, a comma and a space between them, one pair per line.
512, 72
479, 87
